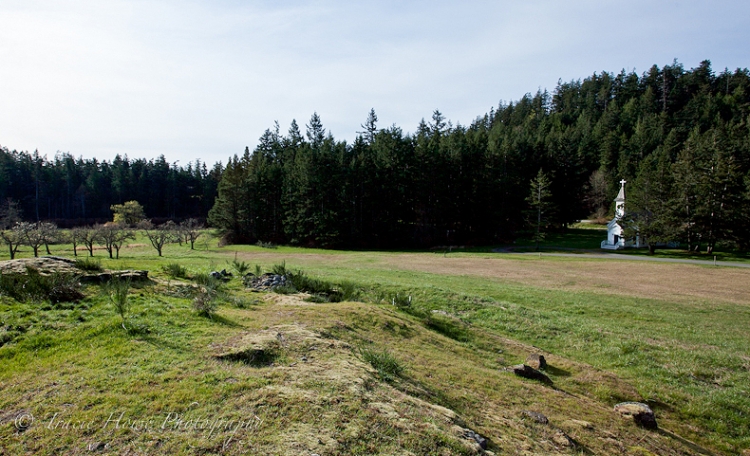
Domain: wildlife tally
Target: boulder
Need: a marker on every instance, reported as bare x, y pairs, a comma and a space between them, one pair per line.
639, 412
471, 435
536, 361
45, 265
131, 274
536, 416
267, 281
522, 370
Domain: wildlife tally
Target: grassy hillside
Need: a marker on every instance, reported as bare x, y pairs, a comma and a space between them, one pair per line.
273, 374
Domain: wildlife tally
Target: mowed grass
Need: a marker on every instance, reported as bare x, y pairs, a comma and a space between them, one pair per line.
687, 359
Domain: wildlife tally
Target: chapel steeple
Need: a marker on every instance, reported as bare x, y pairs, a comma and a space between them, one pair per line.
620, 201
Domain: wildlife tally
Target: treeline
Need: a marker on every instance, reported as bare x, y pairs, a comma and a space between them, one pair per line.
447, 184
75, 191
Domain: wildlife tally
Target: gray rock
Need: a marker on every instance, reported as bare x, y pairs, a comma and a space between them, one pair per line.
536, 361
536, 416
100, 446
522, 370
265, 282
131, 274
641, 414
481, 441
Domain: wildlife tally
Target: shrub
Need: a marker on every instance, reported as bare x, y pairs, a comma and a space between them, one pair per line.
279, 269
205, 302
349, 291
384, 362
240, 266
89, 264
203, 279
303, 282
175, 271
117, 291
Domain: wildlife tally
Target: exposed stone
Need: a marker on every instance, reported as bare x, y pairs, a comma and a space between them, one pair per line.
562, 439
267, 281
522, 370
640, 412
130, 274
220, 275
471, 435
99, 446
536, 416
536, 361
45, 265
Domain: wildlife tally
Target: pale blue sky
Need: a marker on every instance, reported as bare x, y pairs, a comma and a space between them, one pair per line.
204, 79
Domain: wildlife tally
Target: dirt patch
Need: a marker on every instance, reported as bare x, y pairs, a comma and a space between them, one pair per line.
642, 279
678, 282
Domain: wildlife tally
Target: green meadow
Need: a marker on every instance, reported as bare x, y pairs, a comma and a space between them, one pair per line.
417, 351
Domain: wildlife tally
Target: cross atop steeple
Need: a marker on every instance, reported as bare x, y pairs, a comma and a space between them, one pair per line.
621, 196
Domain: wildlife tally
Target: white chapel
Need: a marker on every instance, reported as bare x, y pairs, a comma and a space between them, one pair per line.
615, 239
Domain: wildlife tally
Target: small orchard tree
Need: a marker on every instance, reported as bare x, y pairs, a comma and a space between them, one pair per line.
32, 235
49, 234
88, 236
76, 237
159, 235
130, 214
113, 236
10, 216
540, 206
191, 231
13, 239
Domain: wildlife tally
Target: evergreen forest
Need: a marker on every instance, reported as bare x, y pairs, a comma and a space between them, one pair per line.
680, 138
73, 191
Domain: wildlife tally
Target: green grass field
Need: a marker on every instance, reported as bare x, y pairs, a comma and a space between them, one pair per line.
82, 377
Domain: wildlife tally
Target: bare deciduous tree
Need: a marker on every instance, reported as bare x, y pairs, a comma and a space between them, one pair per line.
191, 231
31, 235
49, 233
113, 236
88, 237
12, 237
10, 215
159, 235
75, 238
